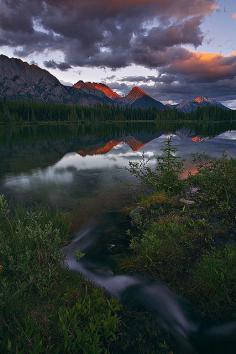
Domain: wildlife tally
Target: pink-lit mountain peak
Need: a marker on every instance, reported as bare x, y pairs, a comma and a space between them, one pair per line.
107, 91
200, 99
137, 92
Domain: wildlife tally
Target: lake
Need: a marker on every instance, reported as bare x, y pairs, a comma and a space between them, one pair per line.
83, 171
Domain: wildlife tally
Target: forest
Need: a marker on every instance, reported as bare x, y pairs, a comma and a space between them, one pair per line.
21, 112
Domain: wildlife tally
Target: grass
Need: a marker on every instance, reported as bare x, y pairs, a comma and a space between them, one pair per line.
45, 309
189, 246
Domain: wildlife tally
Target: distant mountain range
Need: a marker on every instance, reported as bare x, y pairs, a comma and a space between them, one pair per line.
22, 81
198, 102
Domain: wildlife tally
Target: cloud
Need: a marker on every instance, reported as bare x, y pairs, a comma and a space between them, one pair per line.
51, 64
106, 33
204, 67
177, 90
234, 16
210, 75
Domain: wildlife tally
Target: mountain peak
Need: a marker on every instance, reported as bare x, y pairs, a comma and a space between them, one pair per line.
135, 94
97, 87
138, 98
138, 90
107, 91
200, 99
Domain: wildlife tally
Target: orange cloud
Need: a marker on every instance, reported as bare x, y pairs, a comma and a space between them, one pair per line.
207, 66
234, 16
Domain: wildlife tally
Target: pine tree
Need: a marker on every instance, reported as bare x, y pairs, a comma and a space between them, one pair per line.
72, 117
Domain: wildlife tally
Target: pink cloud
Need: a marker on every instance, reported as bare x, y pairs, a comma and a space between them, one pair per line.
234, 16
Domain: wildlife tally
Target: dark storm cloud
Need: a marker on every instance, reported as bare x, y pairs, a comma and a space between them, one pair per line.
51, 64
196, 73
108, 33
223, 90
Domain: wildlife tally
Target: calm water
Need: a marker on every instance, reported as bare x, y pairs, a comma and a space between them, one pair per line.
82, 171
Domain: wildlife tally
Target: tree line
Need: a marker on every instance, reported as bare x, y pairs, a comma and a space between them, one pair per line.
32, 112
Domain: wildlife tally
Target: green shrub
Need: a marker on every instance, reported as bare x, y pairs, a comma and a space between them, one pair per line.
165, 176
217, 183
44, 308
90, 325
214, 280
160, 250
29, 249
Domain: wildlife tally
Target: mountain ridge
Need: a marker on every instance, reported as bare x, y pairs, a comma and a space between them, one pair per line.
94, 86
198, 102
20, 80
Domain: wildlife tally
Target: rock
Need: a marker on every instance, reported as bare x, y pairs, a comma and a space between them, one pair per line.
186, 201
194, 190
137, 216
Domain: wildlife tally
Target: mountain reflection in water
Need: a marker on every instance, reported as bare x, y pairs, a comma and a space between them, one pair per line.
117, 153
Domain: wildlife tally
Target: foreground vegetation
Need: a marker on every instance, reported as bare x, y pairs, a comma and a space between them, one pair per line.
45, 309
31, 112
184, 230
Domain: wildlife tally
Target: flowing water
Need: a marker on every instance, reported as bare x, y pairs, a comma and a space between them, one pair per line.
83, 171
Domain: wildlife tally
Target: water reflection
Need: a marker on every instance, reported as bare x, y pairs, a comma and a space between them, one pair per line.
116, 154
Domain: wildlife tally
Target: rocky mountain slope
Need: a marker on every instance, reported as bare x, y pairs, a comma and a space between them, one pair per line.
20, 80
97, 88
137, 98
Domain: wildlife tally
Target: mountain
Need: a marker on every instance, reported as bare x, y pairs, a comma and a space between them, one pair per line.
198, 102
97, 89
132, 142
20, 80
137, 98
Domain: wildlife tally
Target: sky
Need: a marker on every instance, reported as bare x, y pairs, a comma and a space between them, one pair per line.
173, 49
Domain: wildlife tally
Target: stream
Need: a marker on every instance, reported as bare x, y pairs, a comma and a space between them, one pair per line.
171, 312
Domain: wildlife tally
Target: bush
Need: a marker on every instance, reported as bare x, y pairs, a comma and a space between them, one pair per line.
214, 280
44, 308
165, 176
89, 325
29, 249
168, 246
217, 183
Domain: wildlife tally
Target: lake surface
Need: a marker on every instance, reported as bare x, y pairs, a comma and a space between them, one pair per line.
78, 168
82, 170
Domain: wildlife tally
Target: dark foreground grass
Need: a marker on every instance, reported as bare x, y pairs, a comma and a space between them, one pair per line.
47, 309
44, 308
